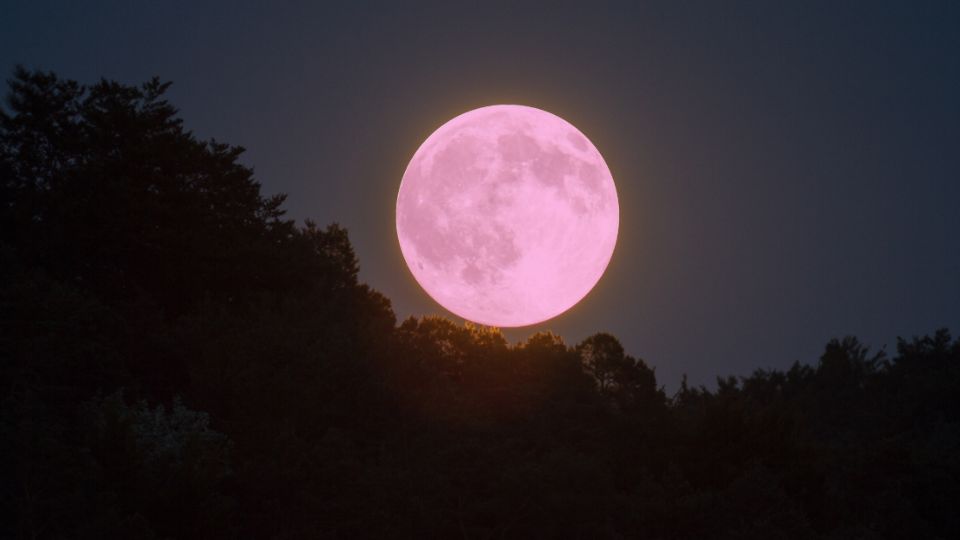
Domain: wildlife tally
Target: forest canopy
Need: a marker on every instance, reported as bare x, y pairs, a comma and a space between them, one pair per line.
180, 360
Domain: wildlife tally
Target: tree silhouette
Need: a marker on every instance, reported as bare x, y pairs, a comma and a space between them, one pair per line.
104, 187
177, 360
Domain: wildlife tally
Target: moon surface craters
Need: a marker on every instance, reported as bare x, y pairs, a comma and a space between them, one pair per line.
507, 215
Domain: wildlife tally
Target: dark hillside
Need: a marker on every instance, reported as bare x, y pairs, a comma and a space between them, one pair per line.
178, 360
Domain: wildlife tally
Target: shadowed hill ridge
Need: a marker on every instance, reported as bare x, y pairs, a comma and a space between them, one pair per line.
179, 360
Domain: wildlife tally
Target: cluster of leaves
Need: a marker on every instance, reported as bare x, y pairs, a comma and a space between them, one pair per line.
179, 361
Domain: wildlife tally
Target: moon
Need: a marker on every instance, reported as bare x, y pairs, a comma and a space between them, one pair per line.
507, 215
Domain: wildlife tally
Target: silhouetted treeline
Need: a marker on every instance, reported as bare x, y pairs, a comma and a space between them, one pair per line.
181, 361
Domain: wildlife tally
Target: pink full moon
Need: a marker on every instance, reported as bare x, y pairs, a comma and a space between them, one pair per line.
507, 215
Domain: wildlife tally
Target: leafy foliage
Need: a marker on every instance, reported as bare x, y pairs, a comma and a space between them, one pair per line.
179, 361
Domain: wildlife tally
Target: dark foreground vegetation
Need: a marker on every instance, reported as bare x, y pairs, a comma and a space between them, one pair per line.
177, 360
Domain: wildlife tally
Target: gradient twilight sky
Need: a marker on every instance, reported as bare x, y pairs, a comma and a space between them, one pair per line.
787, 172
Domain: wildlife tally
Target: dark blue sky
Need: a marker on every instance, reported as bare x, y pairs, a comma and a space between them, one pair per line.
787, 173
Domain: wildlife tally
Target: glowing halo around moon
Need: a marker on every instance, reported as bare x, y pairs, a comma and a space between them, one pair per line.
507, 215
